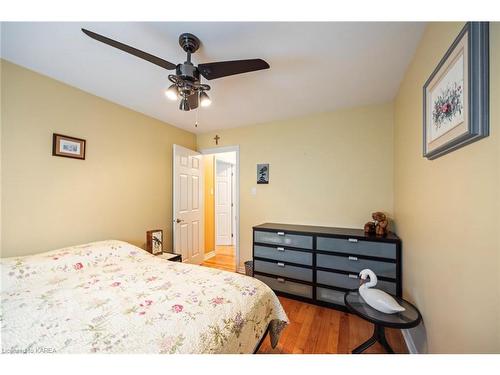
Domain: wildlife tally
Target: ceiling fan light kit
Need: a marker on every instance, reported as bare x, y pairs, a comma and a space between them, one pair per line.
172, 93
184, 105
205, 100
186, 84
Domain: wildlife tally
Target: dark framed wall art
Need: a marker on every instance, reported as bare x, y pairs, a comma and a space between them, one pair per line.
456, 95
68, 147
262, 173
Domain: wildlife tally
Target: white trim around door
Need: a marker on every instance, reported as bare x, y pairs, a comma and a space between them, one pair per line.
236, 148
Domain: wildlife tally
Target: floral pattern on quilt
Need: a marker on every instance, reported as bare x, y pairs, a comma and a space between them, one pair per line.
112, 297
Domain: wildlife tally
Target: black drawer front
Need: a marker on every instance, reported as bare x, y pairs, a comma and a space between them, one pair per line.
357, 247
330, 296
283, 239
286, 286
350, 281
354, 264
284, 255
284, 270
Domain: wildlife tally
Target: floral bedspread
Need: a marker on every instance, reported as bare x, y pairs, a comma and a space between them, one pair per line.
112, 297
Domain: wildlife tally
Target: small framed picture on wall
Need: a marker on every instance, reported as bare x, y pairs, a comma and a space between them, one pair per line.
262, 173
68, 147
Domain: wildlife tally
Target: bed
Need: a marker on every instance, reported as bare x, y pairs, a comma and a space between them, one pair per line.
113, 297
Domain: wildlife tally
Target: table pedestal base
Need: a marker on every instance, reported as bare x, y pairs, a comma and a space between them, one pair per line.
378, 336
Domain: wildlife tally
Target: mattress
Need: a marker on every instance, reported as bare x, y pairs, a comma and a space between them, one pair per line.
113, 297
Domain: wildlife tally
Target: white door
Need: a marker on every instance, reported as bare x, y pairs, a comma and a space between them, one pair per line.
188, 204
223, 203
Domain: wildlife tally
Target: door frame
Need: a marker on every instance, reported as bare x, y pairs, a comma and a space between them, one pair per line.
218, 150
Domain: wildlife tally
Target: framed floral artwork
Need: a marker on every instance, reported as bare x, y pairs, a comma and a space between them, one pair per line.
456, 95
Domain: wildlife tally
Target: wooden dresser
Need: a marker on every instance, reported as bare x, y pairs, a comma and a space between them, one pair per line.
318, 264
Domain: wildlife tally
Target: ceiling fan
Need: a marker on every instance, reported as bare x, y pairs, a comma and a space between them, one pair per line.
186, 83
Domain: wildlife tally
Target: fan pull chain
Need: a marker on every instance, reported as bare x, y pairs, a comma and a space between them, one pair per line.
196, 114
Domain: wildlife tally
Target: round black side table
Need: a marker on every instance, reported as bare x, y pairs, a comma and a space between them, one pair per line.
407, 319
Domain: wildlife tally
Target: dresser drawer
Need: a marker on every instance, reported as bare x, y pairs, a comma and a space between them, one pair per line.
357, 247
350, 281
281, 269
282, 254
286, 286
353, 264
282, 238
330, 295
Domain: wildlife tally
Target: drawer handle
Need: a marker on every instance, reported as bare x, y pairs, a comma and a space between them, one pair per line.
280, 264
280, 280
280, 233
353, 258
352, 240
352, 276
280, 248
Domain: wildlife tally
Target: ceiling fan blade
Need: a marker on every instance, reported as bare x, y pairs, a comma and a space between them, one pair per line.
193, 101
133, 51
229, 68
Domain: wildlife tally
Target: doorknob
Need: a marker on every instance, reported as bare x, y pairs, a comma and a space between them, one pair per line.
178, 221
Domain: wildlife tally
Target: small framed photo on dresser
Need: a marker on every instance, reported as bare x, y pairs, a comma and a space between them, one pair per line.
68, 147
154, 241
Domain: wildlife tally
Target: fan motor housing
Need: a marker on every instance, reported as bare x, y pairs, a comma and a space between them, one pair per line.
188, 71
189, 42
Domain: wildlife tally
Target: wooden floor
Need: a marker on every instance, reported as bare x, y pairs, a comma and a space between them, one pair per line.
314, 329
321, 330
224, 259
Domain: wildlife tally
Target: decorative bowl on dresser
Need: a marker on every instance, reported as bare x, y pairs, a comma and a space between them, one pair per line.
319, 264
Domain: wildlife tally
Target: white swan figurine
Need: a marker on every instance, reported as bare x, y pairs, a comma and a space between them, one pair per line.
377, 298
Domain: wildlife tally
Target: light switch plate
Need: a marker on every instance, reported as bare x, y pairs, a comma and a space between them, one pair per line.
254, 191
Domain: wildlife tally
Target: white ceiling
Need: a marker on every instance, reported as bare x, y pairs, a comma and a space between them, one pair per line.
315, 67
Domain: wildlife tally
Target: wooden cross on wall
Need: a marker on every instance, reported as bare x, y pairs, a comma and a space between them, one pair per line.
216, 138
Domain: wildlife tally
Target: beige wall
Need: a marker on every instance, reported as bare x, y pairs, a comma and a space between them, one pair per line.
447, 213
327, 169
120, 191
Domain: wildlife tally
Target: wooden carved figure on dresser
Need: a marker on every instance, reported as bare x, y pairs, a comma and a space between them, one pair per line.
379, 225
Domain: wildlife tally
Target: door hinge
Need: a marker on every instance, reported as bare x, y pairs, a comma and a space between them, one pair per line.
232, 204
232, 235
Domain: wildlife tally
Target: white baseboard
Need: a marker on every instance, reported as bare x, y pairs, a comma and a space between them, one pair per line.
410, 343
209, 255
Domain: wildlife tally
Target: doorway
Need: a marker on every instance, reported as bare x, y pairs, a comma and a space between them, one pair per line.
221, 177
